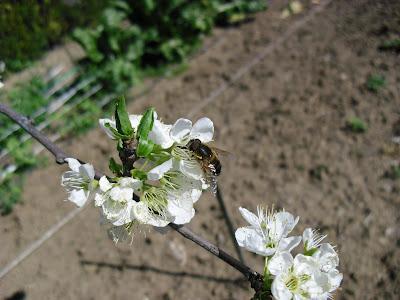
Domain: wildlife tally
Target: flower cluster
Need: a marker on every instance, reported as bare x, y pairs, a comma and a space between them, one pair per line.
312, 274
164, 182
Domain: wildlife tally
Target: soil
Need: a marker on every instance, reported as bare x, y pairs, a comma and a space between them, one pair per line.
285, 122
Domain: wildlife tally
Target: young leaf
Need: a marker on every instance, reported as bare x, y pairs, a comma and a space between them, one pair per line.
146, 124
144, 148
116, 133
115, 167
123, 123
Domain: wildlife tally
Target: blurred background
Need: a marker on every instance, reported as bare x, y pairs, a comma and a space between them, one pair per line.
305, 94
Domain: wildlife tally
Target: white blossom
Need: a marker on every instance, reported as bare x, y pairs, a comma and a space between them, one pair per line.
116, 199
296, 278
79, 181
267, 232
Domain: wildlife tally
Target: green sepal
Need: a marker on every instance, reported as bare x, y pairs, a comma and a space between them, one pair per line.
139, 174
310, 252
146, 124
144, 147
123, 123
115, 167
116, 133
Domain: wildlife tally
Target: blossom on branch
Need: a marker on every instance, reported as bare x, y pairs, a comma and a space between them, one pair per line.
309, 275
267, 232
79, 181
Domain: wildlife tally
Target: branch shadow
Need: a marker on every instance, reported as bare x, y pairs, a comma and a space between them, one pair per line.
241, 282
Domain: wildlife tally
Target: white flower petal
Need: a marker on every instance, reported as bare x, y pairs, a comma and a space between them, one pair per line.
180, 131
287, 244
159, 171
182, 211
124, 217
135, 120
73, 164
250, 239
191, 169
203, 130
160, 135
104, 184
251, 218
79, 197
99, 199
280, 262
327, 257
87, 170
285, 223
140, 212
279, 289
103, 123
335, 278
129, 182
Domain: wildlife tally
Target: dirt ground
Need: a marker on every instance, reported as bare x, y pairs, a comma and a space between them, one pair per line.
285, 122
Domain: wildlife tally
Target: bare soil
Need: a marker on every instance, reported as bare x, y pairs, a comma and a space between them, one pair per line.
285, 122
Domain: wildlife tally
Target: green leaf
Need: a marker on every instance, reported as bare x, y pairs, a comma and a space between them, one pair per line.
115, 167
123, 123
144, 148
146, 124
139, 174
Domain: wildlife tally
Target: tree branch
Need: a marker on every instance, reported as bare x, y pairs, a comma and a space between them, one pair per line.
255, 279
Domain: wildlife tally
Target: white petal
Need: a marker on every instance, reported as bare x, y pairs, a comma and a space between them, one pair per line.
159, 171
280, 262
99, 199
180, 131
73, 164
191, 169
129, 182
287, 244
250, 239
124, 217
135, 120
104, 184
182, 211
279, 289
203, 130
87, 171
160, 135
251, 218
335, 278
327, 257
103, 123
141, 213
79, 197
285, 222
305, 264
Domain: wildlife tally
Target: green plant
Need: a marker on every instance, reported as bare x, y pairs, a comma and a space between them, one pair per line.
356, 125
391, 45
31, 26
393, 173
140, 37
375, 82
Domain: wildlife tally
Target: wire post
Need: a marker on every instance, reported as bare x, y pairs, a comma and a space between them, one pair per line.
229, 224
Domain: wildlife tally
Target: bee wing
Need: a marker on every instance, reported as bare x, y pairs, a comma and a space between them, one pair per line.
221, 152
211, 179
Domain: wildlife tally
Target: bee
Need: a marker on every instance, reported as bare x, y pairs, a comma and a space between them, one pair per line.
208, 159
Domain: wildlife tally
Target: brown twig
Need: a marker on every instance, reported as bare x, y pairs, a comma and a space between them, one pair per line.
255, 279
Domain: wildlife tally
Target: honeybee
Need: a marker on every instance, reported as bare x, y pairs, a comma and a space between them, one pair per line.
208, 159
